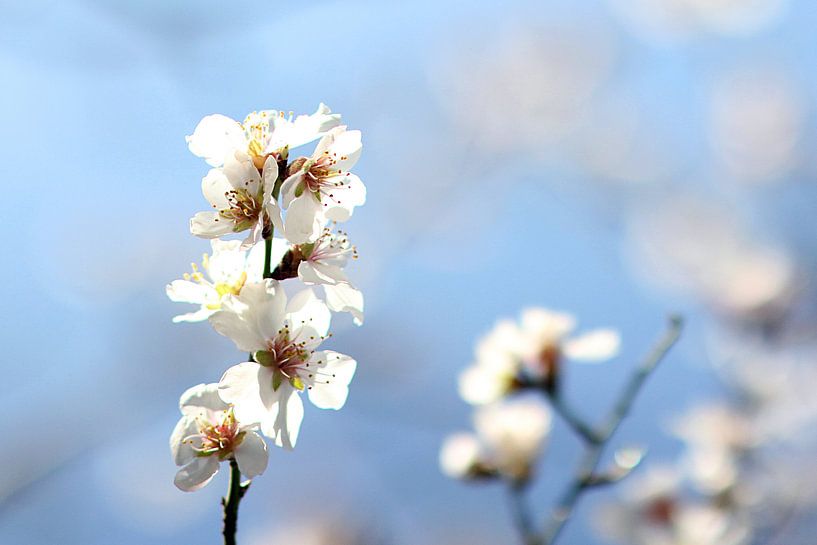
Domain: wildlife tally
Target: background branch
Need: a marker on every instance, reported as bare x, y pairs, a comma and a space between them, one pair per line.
586, 477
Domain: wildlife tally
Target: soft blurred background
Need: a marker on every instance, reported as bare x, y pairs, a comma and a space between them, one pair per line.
616, 159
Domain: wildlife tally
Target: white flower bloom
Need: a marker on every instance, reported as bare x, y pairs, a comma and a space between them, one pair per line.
497, 365
513, 434
460, 454
322, 263
544, 332
321, 188
283, 337
263, 133
208, 433
716, 436
225, 272
535, 346
653, 512
241, 197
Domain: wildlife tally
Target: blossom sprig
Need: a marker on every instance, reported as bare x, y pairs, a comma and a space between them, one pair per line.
511, 428
530, 354
258, 186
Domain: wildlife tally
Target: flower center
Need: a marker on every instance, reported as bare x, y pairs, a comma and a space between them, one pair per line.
220, 437
244, 209
221, 288
287, 357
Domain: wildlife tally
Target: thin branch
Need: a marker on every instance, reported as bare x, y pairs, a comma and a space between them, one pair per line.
586, 477
579, 426
521, 512
235, 492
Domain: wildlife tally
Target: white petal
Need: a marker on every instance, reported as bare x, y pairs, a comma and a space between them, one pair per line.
251, 455
305, 219
210, 225
594, 346
215, 186
197, 316
306, 311
305, 128
346, 198
215, 137
227, 261
201, 396
185, 291
196, 474
347, 144
240, 386
288, 188
345, 298
182, 452
283, 422
241, 173
312, 272
235, 327
459, 454
332, 374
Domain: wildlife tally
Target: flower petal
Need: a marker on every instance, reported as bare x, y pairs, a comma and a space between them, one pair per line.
241, 387
306, 311
347, 196
594, 346
196, 474
332, 373
283, 422
181, 451
201, 396
210, 225
251, 455
345, 298
305, 219
215, 137
185, 291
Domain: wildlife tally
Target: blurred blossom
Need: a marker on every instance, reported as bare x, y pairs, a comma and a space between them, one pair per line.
510, 436
653, 511
460, 455
511, 354
756, 124
702, 249
715, 435
514, 433
525, 87
670, 20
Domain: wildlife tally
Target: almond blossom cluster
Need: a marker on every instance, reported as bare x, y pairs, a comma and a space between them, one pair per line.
513, 361
515, 384
259, 289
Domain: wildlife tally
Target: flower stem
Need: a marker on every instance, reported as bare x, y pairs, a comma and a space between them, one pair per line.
521, 512
268, 254
235, 492
586, 477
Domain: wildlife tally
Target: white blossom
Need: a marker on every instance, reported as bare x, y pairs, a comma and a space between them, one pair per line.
321, 187
241, 198
224, 272
513, 433
653, 511
209, 433
262, 134
534, 347
283, 337
460, 455
322, 263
